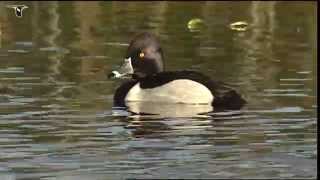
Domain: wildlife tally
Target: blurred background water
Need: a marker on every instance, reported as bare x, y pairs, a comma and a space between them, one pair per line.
56, 116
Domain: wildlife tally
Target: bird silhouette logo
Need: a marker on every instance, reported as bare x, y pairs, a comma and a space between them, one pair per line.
18, 9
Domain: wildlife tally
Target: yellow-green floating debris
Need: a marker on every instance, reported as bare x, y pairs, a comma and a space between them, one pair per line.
239, 26
195, 24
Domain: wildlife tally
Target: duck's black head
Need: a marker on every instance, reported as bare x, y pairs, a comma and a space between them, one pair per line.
143, 58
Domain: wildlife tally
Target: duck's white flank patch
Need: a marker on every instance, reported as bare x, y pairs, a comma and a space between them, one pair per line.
177, 91
169, 109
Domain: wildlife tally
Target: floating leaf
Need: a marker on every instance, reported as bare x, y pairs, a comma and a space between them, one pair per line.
239, 26
195, 24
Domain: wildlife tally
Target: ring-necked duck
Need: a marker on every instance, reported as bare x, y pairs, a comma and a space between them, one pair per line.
150, 83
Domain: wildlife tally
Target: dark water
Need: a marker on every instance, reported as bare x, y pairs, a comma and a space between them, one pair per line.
56, 116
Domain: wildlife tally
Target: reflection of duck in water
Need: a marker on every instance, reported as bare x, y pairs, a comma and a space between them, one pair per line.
144, 125
154, 91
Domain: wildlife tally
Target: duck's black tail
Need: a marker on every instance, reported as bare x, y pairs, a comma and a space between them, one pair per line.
230, 100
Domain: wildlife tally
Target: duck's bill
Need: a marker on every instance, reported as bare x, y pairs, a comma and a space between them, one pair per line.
125, 70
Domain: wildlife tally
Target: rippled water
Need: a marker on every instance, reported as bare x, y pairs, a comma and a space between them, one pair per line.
56, 115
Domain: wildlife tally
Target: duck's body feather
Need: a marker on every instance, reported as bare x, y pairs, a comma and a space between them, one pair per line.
223, 97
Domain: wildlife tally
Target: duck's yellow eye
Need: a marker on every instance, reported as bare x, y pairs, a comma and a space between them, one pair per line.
141, 55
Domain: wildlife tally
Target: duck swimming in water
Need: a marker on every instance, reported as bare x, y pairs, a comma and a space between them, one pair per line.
150, 83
